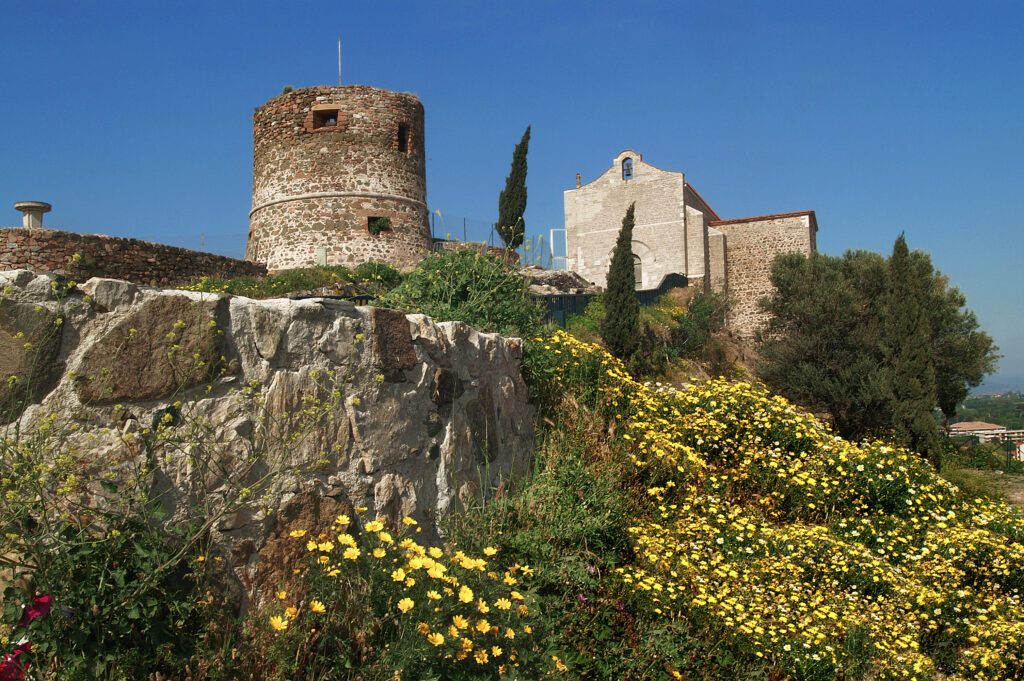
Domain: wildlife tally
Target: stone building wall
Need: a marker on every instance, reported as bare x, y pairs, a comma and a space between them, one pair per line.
750, 246
698, 237
325, 161
81, 256
593, 218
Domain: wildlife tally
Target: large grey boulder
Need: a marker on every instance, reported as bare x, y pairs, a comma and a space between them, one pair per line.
270, 415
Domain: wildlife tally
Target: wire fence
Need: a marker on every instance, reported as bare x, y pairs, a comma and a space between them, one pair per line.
542, 250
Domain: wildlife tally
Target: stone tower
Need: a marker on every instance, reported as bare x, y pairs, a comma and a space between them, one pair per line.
339, 178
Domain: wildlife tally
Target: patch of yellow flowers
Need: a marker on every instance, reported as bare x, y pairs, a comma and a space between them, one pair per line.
824, 557
461, 607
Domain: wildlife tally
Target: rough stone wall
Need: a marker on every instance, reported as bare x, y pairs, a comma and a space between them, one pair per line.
695, 228
593, 218
716, 256
81, 256
750, 246
351, 406
314, 188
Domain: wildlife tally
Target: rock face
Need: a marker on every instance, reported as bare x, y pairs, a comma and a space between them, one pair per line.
548, 282
271, 414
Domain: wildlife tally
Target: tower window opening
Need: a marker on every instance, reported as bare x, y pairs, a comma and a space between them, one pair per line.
638, 274
325, 118
627, 169
377, 224
403, 138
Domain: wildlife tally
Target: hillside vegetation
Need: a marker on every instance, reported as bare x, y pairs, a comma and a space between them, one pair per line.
711, 532
1005, 410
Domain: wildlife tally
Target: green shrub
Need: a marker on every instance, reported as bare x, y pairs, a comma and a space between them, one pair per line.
477, 289
668, 333
369, 278
126, 603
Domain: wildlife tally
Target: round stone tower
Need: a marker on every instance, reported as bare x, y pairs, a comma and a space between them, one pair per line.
339, 178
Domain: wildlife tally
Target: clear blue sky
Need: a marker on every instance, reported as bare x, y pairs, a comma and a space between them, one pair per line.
134, 118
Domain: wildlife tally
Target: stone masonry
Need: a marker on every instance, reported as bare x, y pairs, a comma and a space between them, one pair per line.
328, 163
752, 244
81, 256
677, 232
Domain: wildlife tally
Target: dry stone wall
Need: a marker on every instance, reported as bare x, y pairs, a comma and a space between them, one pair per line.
81, 256
750, 246
325, 161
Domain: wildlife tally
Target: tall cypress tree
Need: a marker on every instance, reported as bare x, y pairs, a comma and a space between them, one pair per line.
620, 328
908, 351
512, 201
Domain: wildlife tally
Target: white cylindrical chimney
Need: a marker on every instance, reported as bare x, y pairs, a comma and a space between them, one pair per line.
32, 213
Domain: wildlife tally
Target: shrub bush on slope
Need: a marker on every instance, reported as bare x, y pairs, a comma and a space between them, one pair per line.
826, 558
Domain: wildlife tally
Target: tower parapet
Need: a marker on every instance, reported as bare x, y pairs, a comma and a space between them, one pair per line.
339, 178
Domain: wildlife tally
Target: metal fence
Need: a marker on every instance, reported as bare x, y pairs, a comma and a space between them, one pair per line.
536, 249
560, 306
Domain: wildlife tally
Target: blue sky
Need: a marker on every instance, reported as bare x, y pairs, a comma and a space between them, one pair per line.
134, 118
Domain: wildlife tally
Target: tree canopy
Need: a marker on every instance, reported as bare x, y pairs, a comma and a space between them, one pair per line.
839, 324
512, 201
620, 328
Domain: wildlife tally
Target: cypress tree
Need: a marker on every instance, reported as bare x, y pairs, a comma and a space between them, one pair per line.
908, 351
512, 200
620, 328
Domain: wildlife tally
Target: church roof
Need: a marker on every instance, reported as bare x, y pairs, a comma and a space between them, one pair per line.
976, 425
774, 216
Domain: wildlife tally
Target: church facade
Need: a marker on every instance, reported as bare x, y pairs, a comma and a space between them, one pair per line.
678, 232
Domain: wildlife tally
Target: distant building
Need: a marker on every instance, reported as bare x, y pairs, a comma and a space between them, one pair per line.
989, 432
984, 431
678, 232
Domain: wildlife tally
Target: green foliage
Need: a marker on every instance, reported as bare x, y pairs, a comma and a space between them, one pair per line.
669, 332
374, 601
126, 603
908, 354
511, 226
825, 343
1006, 410
467, 286
620, 328
570, 520
370, 278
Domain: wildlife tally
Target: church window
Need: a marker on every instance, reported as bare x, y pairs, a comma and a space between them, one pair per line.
627, 169
403, 138
638, 278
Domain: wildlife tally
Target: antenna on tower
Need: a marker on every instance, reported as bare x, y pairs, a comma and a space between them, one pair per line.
339, 59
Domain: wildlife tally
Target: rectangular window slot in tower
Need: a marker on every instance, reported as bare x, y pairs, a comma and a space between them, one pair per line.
375, 225
325, 118
403, 138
